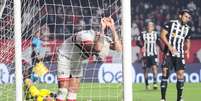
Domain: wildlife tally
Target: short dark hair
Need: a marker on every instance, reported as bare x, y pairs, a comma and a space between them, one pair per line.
147, 21
181, 12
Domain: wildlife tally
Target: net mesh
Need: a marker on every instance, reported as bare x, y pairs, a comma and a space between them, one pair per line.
57, 20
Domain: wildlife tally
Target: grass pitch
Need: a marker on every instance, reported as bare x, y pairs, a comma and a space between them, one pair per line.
113, 92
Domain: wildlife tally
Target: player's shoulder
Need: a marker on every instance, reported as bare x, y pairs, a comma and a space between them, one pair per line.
143, 32
188, 26
156, 32
86, 32
168, 24
173, 21
85, 35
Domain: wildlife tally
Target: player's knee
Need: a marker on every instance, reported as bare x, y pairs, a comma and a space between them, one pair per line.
74, 88
154, 67
165, 72
180, 74
165, 75
74, 85
63, 82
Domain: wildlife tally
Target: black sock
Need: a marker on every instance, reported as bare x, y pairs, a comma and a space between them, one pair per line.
163, 86
146, 82
155, 80
180, 86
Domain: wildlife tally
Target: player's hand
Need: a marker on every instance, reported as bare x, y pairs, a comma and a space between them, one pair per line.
172, 50
103, 23
143, 50
110, 23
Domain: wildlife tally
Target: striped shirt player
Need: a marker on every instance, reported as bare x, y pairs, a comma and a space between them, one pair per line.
149, 42
175, 35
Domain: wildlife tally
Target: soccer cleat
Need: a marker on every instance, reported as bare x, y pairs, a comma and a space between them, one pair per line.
180, 100
162, 100
148, 87
155, 86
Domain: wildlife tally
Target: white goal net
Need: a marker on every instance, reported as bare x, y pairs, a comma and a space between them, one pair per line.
57, 20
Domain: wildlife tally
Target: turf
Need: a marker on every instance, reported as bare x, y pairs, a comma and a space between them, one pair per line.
113, 92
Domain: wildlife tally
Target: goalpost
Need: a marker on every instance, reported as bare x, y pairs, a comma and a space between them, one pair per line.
127, 63
57, 20
2, 6
18, 50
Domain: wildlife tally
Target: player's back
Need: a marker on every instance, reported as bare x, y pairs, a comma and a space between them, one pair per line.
72, 48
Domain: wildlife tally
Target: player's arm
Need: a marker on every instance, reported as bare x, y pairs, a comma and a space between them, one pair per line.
98, 43
188, 45
164, 33
139, 41
187, 50
158, 42
117, 43
164, 38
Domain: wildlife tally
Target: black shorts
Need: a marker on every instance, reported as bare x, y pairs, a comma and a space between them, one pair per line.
34, 57
148, 61
176, 63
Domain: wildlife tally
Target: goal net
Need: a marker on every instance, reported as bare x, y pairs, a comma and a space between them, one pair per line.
57, 20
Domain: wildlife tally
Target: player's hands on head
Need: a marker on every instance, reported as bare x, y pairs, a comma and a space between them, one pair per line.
103, 23
110, 23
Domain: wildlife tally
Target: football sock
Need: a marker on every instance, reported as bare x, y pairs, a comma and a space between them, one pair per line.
163, 86
180, 86
155, 80
146, 82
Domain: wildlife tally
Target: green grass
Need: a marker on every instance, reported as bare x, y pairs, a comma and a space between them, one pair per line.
192, 92
113, 92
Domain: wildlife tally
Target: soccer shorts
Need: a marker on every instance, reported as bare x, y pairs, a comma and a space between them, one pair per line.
68, 68
176, 63
148, 61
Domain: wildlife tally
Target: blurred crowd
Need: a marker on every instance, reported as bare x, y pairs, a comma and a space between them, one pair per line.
58, 19
74, 16
61, 18
161, 11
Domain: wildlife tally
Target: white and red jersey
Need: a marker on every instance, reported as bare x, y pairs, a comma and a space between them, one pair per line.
72, 47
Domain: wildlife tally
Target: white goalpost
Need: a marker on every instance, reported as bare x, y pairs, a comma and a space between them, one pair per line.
108, 79
2, 6
18, 50
127, 63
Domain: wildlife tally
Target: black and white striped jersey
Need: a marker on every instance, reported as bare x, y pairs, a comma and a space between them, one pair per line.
150, 41
177, 34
